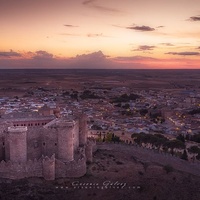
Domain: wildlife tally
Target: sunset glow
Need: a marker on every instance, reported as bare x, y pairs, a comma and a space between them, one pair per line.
100, 34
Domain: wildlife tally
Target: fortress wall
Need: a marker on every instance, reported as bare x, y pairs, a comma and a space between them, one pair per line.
83, 133
92, 141
70, 169
2, 148
65, 143
34, 143
34, 168
4, 143
49, 168
88, 152
50, 142
90, 148
20, 170
76, 135
7, 147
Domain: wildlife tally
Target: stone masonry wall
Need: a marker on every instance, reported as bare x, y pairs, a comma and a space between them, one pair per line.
70, 169
49, 168
21, 170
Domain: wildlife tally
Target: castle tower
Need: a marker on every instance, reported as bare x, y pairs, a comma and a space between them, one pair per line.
83, 131
65, 140
49, 167
18, 143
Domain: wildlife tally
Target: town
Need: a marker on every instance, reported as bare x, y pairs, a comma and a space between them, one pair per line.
164, 117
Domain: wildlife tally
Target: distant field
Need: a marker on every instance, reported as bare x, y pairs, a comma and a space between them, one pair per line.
14, 82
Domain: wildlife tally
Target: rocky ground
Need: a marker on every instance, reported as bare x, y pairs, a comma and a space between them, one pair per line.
118, 172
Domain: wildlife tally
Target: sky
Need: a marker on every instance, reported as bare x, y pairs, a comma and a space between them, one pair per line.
116, 34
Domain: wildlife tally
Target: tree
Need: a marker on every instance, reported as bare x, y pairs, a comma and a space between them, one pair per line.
143, 112
74, 96
116, 139
195, 138
184, 155
181, 138
175, 144
194, 149
187, 137
125, 98
108, 137
126, 106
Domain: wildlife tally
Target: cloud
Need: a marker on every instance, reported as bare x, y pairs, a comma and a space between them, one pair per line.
194, 18
160, 26
44, 60
92, 4
95, 60
42, 55
167, 44
106, 9
70, 34
95, 55
94, 35
145, 48
9, 54
186, 53
90, 35
134, 58
97, 35
69, 25
141, 28
118, 26
88, 2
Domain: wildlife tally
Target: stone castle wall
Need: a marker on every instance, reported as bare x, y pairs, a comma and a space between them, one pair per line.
65, 144
13, 170
48, 165
90, 148
76, 135
75, 168
48, 168
83, 133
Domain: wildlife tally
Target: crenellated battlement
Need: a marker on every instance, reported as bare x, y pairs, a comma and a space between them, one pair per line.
18, 170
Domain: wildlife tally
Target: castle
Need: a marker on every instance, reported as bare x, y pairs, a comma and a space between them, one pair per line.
48, 147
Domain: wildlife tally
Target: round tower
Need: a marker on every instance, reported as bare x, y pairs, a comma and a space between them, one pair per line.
65, 141
18, 143
83, 130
